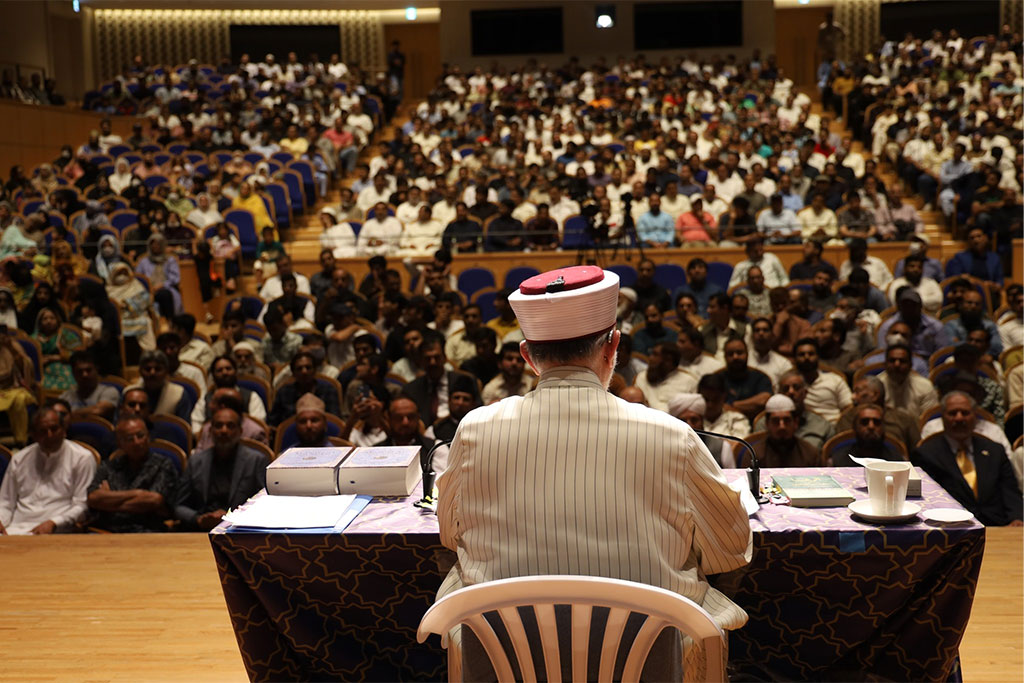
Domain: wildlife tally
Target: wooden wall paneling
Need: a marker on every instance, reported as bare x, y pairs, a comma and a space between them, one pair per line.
420, 41
796, 37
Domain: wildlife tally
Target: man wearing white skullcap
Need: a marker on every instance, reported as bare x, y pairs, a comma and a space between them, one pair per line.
529, 478
782, 447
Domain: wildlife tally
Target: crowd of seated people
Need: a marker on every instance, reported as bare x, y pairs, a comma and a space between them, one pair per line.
202, 182
30, 90
909, 365
946, 112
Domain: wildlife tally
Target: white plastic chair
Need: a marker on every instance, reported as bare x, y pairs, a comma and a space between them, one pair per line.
583, 593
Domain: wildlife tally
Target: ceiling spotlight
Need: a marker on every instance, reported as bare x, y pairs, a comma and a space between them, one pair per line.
410, 13
604, 16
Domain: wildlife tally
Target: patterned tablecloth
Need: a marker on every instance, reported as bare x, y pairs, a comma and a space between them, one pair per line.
828, 595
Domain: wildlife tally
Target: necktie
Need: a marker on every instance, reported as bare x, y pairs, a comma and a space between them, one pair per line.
967, 469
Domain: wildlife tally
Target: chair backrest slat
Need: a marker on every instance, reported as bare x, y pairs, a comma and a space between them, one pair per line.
517, 634
642, 644
580, 642
489, 640
610, 647
548, 629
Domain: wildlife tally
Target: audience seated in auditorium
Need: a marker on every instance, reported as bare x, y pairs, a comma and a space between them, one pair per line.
810, 426
90, 396
869, 438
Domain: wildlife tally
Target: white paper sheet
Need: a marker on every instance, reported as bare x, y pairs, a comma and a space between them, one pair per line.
291, 512
746, 497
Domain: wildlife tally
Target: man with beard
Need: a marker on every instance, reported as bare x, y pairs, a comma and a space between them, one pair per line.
647, 290
827, 392
903, 388
298, 311
821, 298
224, 372
977, 260
927, 335
898, 423
719, 417
663, 378
654, 332
165, 397
431, 390
220, 478
692, 358
913, 276
303, 366
782, 447
763, 357
310, 422
462, 398
656, 228
747, 389
971, 309
698, 285
810, 427
512, 380
869, 430
830, 334
811, 262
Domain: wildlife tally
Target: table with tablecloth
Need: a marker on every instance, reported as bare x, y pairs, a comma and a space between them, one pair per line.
829, 596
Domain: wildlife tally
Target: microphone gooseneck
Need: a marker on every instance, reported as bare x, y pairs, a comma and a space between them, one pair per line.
753, 472
427, 467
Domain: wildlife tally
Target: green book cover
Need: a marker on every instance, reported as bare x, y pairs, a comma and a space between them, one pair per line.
812, 491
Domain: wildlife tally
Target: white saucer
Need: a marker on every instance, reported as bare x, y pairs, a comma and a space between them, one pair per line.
948, 515
862, 508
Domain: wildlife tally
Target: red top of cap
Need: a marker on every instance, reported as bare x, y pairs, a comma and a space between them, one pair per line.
562, 280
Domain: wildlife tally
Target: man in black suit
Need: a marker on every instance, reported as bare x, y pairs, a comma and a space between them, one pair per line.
220, 478
972, 469
430, 391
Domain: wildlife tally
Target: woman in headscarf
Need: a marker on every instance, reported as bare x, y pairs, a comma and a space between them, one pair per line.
107, 256
179, 237
45, 181
205, 213
224, 245
164, 275
94, 303
130, 296
178, 203
17, 379
101, 189
247, 199
57, 342
135, 239
8, 311
61, 253
44, 296
16, 180
121, 177
16, 241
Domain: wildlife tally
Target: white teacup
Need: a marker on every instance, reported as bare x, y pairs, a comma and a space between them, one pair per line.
887, 486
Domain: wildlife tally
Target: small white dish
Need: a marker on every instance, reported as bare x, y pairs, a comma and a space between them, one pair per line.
948, 515
862, 508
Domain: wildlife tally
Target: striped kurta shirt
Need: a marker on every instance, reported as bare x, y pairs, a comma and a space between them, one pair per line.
571, 480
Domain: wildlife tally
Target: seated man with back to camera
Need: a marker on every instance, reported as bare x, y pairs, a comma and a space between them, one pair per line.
568, 321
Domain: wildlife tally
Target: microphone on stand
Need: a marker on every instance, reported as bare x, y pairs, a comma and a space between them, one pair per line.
753, 472
427, 467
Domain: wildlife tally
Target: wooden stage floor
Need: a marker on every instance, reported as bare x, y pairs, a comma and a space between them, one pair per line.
149, 608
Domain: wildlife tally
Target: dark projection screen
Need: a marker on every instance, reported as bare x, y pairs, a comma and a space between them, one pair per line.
280, 39
677, 25
974, 18
516, 31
